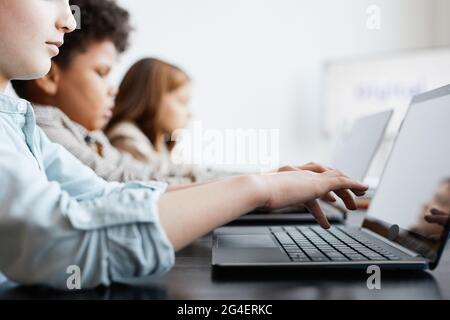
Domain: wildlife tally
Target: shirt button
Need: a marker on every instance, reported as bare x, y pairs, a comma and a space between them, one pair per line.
22, 108
84, 217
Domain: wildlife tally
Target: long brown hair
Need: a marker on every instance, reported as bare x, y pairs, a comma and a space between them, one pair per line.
141, 92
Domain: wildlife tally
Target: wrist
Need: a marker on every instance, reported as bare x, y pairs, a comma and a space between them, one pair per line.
257, 188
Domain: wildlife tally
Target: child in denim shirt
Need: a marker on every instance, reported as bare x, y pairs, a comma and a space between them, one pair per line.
56, 213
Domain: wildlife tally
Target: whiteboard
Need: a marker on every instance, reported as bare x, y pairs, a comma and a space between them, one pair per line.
362, 86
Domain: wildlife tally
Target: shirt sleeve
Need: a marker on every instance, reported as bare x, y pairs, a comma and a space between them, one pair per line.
66, 216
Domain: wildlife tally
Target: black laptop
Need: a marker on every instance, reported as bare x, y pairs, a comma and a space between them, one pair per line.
396, 233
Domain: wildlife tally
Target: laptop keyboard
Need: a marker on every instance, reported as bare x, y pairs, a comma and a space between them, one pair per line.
314, 244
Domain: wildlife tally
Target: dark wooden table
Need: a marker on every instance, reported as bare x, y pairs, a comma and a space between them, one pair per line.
192, 278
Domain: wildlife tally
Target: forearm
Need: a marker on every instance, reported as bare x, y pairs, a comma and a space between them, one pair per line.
180, 187
191, 213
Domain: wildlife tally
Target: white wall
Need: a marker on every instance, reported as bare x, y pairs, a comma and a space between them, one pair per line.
258, 63
442, 22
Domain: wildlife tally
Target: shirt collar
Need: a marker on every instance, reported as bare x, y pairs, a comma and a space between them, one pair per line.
10, 104
51, 113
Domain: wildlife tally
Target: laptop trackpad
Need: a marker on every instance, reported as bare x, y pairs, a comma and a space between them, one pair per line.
246, 241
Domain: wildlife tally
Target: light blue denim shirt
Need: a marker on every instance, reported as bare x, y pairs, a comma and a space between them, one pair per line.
55, 213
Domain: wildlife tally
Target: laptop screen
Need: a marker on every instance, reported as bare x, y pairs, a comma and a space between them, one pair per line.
360, 145
416, 179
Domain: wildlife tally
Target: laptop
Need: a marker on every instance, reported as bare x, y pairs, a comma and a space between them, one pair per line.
395, 233
353, 157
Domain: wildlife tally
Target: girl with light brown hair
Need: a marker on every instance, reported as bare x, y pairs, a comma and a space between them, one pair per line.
152, 103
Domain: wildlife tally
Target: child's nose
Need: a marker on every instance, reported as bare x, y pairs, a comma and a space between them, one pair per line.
67, 22
113, 91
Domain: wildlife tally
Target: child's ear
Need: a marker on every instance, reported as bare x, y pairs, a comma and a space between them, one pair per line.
50, 83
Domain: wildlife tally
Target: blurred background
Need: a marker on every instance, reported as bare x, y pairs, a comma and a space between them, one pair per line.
305, 67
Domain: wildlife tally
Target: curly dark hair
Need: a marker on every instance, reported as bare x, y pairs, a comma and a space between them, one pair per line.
100, 20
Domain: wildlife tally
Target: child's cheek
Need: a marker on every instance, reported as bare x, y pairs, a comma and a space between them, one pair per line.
34, 20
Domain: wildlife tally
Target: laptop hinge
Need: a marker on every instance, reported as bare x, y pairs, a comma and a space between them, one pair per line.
393, 244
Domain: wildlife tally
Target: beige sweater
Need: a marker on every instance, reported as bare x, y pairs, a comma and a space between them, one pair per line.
127, 137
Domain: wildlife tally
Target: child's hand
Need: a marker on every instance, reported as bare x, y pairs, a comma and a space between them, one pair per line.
314, 167
311, 166
293, 188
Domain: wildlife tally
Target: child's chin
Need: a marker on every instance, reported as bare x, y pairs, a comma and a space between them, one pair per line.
39, 70
32, 72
